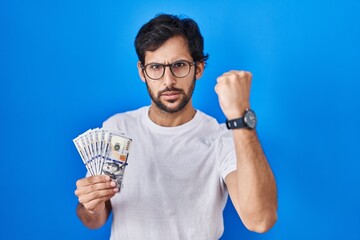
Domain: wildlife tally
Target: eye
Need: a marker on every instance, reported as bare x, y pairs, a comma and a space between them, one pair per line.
155, 66
180, 64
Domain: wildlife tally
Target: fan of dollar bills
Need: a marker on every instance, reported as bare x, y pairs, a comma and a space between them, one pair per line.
104, 152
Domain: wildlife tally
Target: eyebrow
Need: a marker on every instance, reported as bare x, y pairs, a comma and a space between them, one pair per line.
179, 60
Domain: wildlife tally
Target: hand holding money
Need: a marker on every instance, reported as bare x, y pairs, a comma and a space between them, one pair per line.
94, 191
104, 154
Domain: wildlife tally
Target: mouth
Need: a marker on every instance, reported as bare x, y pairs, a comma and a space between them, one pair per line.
170, 95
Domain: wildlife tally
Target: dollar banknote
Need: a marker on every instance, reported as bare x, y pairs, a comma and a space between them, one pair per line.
104, 152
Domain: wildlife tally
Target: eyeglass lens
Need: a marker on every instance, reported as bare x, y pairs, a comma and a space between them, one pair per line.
179, 69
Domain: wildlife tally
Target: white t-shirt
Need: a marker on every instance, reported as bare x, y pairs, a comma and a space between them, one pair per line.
173, 187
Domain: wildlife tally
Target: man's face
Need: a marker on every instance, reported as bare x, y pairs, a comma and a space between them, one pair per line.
169, 93
111, 168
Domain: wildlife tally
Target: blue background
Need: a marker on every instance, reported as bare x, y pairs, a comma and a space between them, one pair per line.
65, 66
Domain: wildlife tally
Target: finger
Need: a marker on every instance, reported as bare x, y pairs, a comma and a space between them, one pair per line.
92, 180
244, 74
233, 74
91, 205
216, 88
219, 79
106, 193
94, 187
240, 74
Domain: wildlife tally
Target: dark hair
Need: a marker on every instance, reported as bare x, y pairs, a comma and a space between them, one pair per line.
165, 26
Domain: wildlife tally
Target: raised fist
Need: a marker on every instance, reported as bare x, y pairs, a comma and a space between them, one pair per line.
233, 90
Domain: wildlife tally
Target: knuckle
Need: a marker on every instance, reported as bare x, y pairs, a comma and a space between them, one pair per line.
99, 178
90, 179
96, 194
248, 75
81, 200
93, 187
239, 74
105, 178
78, 183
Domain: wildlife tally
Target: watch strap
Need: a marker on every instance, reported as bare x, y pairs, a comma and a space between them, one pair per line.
236, 123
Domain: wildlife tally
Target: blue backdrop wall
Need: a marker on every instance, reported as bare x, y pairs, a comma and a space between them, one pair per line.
65, 66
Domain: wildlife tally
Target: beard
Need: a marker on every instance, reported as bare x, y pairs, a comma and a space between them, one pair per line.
184, 99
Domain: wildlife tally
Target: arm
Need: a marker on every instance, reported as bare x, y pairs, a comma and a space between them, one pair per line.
93, 219
94, 195
252, 186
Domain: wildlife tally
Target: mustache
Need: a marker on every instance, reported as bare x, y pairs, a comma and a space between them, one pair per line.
170, 89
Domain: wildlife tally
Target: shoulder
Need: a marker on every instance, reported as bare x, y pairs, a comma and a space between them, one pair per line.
211, 128
212, 123
119, 119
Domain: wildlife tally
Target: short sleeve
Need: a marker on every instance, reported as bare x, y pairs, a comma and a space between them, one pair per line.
226, 152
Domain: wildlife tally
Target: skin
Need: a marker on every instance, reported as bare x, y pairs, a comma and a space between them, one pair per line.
251, 187
93, 194
172, 50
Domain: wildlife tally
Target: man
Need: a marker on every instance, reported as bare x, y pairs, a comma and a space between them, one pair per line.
182, 164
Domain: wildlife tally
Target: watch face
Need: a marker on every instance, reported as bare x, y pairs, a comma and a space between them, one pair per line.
250, 119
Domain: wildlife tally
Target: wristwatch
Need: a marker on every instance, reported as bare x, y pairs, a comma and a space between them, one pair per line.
247, 121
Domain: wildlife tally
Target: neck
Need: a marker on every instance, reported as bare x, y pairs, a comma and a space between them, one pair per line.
165, 119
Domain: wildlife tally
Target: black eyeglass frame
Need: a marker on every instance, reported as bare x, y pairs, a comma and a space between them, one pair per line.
170, 65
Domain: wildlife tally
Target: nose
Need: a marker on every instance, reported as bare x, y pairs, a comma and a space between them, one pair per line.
168, 78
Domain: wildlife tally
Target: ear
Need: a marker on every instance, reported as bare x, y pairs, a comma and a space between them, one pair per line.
200, 66
141, 72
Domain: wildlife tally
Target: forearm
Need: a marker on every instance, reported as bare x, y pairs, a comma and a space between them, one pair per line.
93, 220
256, 187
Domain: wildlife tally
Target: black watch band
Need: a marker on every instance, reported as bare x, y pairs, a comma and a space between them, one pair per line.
235, 123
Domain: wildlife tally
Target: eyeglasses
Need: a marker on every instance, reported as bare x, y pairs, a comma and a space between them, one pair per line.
179, 69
